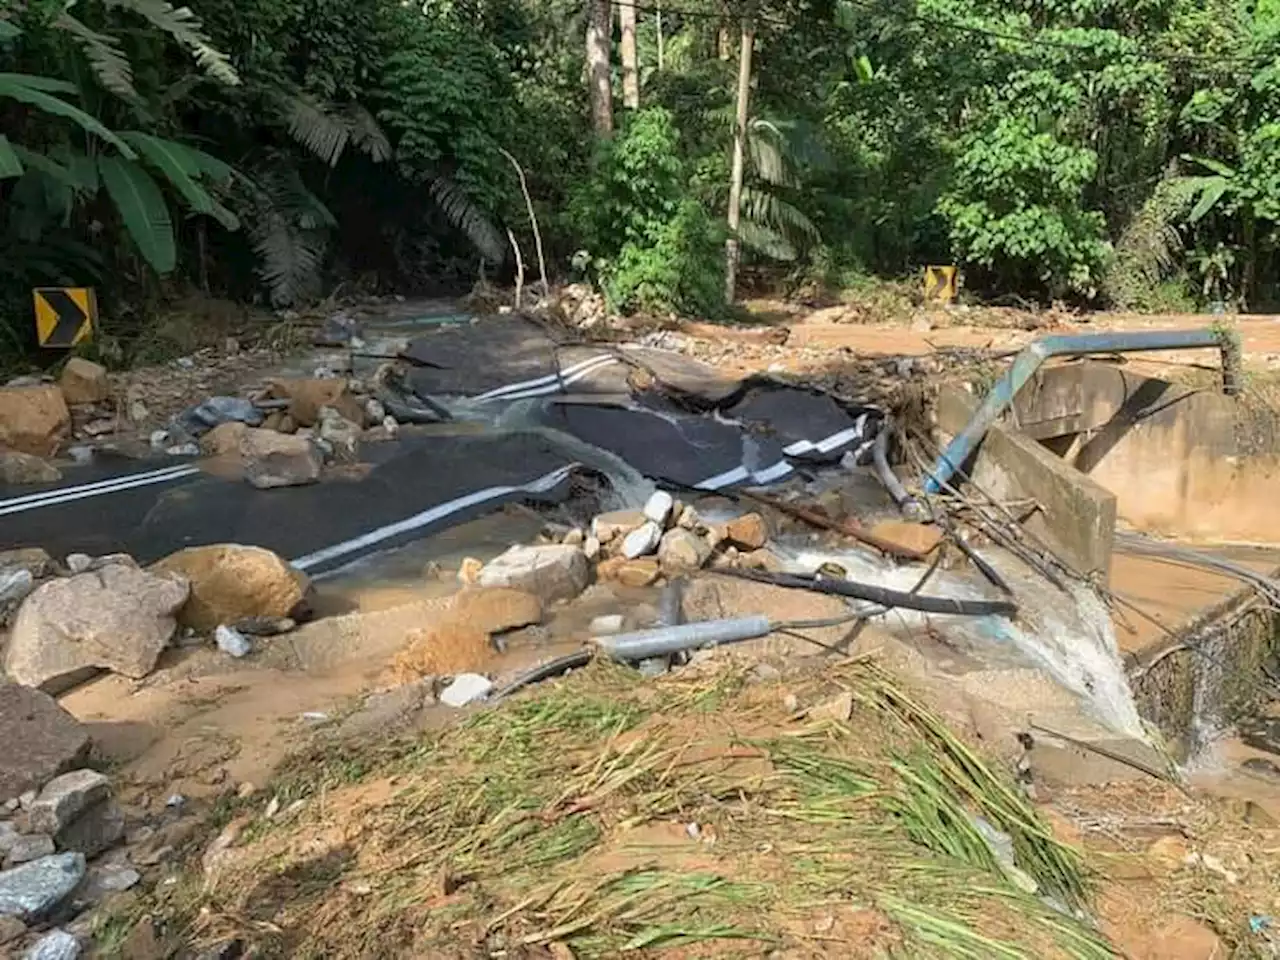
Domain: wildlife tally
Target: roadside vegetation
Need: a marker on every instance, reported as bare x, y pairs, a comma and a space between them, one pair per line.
276, 151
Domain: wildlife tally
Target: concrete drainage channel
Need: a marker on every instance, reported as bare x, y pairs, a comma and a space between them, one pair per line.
1164, 496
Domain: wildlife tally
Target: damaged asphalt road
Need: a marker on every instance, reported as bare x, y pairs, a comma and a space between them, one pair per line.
672, 419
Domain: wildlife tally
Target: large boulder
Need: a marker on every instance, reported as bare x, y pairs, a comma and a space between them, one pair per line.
84, 381
552, 572
116, 618
274, 459
224, 439
230, 582
33, 419
40, 740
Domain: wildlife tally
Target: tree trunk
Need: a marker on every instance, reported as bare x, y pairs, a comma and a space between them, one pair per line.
661, 39
599, 37
630, 62
731, 249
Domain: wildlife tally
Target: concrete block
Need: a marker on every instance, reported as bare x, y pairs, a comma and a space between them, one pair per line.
1078, 518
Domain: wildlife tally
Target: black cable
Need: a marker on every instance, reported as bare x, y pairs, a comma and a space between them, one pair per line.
883, 596
552, 668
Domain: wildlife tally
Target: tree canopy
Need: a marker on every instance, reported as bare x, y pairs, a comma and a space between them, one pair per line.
1108, 153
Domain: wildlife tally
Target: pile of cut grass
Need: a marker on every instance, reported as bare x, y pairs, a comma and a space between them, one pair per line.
606, 815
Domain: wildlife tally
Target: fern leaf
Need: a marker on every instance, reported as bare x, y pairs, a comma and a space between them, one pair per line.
38, 92
464, 214
313, 127
769, 210
768, 153
143, 210
10, 165
186, 28
108, 61
366, 134
289, 259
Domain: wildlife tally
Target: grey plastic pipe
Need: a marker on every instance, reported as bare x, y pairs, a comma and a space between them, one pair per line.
665, 641
911, 508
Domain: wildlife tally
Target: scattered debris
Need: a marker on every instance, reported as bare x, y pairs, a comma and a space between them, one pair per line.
197, 420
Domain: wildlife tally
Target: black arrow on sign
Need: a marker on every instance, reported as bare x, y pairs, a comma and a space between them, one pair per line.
70, 318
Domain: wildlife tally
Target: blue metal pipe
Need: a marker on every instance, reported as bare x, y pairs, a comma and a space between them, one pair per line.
1033, 357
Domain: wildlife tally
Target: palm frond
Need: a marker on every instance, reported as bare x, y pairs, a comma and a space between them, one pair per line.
106, 58
1148, 248
468, 217
768, 149
143, 209
765, 241
186, 28
767, 211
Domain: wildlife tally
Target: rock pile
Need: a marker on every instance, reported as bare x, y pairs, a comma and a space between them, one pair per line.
70, 621
60, 829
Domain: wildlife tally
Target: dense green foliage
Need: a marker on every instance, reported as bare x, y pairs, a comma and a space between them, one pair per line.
1112, 152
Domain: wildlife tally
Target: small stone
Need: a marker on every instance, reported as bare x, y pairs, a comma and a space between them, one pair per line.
84, 381
11, 928
58, 945
341, 434
138, 411
658, 508
81, 454
682, 551
390, 426
184, 450
764, 559
15, 584
27, 847
574, 538
175, 801
159, 439
22, 468
689, 519
839, 707
616, 523
642, 541
65, 797
224, 439
747, 532
99, 828
469, 572
642, 572
264, 626
374, 411
78, 562
109, 878
232, 642
591, 549
33, 890
466, 688
606, 625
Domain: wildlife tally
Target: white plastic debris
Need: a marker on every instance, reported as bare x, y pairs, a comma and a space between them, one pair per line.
466, 688
232, 642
